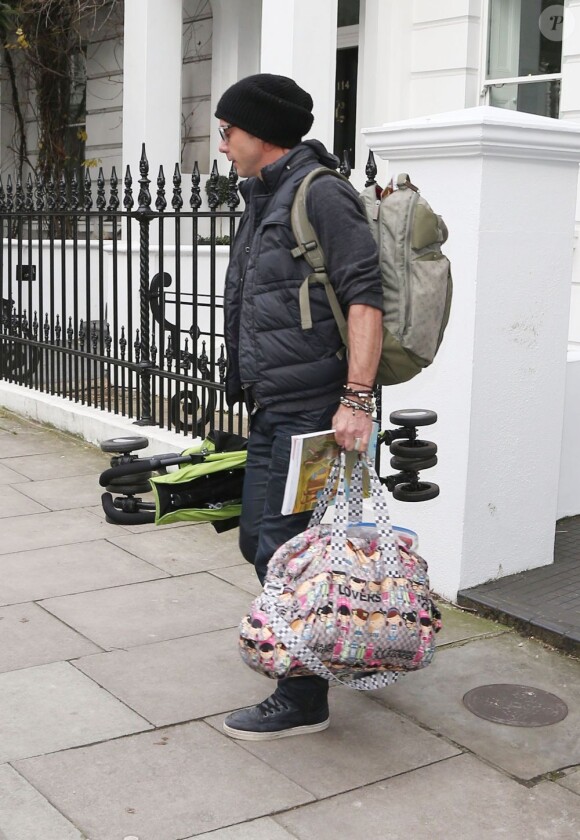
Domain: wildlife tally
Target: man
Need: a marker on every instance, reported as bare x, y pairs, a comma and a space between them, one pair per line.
292, 380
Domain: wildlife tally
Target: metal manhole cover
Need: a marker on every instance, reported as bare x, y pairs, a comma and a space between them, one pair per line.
515, 705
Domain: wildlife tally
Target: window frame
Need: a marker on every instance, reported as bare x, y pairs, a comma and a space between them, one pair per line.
487, 84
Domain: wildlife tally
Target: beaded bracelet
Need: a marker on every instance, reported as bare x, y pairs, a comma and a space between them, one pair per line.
363, 395
366, 407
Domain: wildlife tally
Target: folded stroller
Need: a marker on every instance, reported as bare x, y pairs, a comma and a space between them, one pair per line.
206, 487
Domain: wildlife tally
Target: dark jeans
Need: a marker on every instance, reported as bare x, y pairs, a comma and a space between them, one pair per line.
262, 527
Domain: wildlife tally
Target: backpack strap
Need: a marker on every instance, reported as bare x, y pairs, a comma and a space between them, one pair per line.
309, 247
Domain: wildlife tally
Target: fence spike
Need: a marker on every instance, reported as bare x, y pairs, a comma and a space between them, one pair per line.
233, 191
177, 202
50, 193
144, 194
9, 195
2, 196
74, 191
123, 344
18, 195
108, 339
161, 202
62, 199
371, 170
46, 327
344, 167
39, 192
57, 330
213, 198
114, 197
128, 200
195, 200
101, 199
29, 200
70, 332
137, 347
88, 202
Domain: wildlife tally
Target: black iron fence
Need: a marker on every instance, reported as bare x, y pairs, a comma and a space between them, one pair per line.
116, 302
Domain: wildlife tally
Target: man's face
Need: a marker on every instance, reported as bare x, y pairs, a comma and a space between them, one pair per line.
247, 153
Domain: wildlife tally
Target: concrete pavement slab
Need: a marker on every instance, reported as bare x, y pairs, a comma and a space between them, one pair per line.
15, 503
181, 679
571, 781
458, 799
264, 829
164, 785
33, 440
459, 626
181, 551
30, 636
75, 491
242, 575
148, 612
67, 569
10, 476
434, 698
43, 530
362, 745
26, 815
79, 459
55, 707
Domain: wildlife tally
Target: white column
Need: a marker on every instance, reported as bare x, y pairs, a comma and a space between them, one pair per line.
505, 183
299, 40
152, 84
235, 54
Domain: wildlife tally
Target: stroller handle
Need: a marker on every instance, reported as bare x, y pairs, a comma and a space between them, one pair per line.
145, 465
121, 517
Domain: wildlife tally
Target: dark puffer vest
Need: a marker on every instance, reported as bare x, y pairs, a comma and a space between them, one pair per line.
270, 356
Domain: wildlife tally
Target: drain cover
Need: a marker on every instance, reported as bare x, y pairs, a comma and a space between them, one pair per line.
515, 705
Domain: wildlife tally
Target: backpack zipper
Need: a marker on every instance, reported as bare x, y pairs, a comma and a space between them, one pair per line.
407, 265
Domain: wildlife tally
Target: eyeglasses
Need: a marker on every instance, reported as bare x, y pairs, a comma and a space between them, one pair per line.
223, 130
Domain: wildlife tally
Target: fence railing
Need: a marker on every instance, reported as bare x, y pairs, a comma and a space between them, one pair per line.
116, 302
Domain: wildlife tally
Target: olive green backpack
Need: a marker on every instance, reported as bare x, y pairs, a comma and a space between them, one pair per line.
416, 276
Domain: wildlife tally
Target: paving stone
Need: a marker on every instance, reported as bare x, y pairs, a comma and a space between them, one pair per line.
182, 781
461, 798
191, 548
55, 707
264, 829
78, 460
75, 491
32, 441
360, 729
181, 679
459, 626
26, 815
148, 612
571, 781
10, 476
243, 576
43, 530
67, 569
434, 698
15, 503
30, 636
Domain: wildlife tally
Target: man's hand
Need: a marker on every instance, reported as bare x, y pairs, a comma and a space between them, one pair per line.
352, 430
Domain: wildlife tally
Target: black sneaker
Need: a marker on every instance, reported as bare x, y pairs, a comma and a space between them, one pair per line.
275, 717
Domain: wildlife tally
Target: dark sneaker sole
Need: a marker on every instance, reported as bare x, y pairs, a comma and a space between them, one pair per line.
244, 735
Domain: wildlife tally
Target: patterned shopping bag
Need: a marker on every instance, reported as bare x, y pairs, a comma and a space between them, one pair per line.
348, 602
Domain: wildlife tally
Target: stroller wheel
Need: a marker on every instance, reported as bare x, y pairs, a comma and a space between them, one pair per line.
124, 444
416, 450
411, 417
421, 492
398, 463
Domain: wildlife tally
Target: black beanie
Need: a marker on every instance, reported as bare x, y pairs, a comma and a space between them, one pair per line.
272, 108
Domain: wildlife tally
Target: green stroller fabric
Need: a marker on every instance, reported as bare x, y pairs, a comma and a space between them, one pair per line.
207, 491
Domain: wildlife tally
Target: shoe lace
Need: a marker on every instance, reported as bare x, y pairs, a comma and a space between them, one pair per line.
272, 705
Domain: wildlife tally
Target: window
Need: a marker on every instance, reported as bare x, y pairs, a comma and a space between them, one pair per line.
524, 59
346, 79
